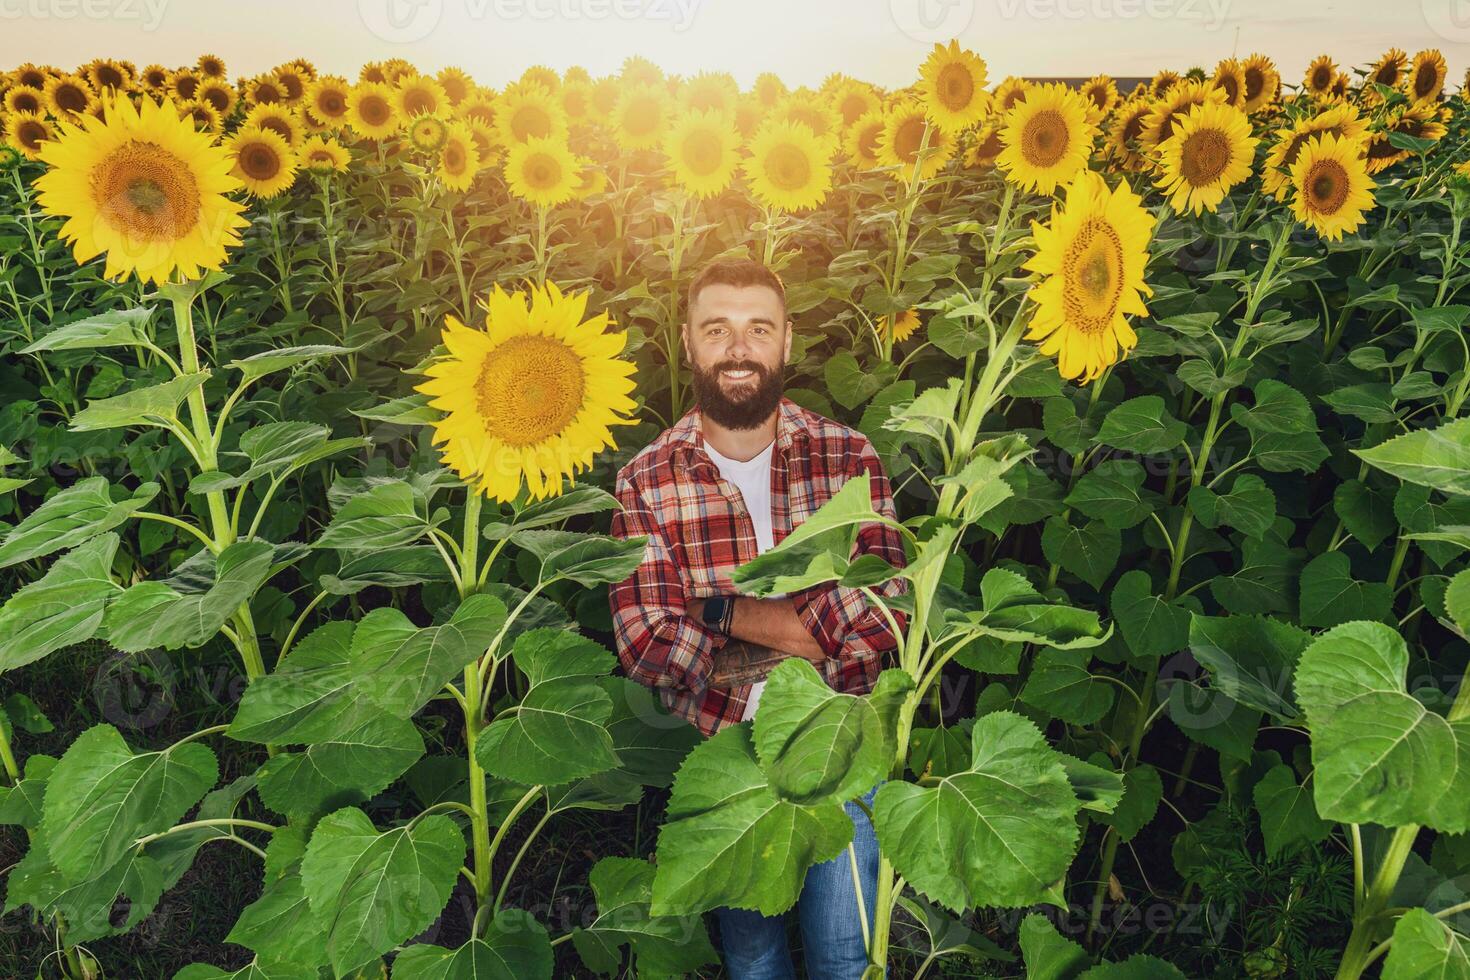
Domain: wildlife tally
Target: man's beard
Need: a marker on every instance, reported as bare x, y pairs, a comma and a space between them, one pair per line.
753, 404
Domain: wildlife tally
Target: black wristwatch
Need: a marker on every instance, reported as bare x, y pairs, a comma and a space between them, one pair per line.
718, 611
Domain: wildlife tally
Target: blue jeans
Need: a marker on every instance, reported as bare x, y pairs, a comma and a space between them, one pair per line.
755, 946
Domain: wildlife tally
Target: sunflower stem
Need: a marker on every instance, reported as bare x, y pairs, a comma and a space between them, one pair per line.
473, 713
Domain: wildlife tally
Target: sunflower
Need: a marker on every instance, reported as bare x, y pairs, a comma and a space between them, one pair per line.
1210, 152
1332, 186
210, 66
459, 161
982, 154
750, 113
396, 70
324, 156
541, 171
326, 100
217, 93
641, 117
33, 75
1341, 121
1261, 82
10, 157
293, 82
1008, 93
419, 95
526, 112
105, 73
638, 70
277, 117
852, 100
264, 90
1047, 138
479, 105
1321, 73
456, 83
370, 110
1229, 78
912, 144
576, 73
532, 397
28, 132
1427, 77
155, 79
808, 109
1389, 70
483, 136
789, 167
576, 101
373, 71
24, 98
264, 161
1341, 85
1102, 92
427, 134
703, 151
69, 96
710, 91
952, 87
1162, 82
547, 78
1419, 121
590, 179
605, 93
201, 114
143, 187
769, 89
1091, 258
1168, 109
900, 327
863, 139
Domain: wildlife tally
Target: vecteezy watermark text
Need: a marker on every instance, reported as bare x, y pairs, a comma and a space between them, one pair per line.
147, 13
1210, 13
405, 21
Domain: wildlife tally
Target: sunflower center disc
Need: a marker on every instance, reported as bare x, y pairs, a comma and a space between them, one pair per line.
530, 121
788, 168
1204, 156
1044, 140
1328, 186
702, 153
542, 172
374, 111
260, 162
908, 139
1093, 280
956, 87
530, 389
1255, 80
146, 192
71, 98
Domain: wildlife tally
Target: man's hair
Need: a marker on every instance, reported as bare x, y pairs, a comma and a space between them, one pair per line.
735, 272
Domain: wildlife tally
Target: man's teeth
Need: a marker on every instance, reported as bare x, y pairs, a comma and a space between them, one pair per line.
738, 375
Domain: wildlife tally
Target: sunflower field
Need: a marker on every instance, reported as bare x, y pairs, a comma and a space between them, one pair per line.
314, 390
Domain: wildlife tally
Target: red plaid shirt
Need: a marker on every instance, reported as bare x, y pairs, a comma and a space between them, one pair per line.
699, 530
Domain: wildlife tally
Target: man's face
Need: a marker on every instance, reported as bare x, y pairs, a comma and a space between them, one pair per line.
737, 340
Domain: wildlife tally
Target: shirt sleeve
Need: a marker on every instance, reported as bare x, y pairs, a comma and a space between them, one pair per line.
839, 618
658, 646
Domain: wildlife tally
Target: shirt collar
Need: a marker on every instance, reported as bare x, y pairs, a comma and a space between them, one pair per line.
791, 425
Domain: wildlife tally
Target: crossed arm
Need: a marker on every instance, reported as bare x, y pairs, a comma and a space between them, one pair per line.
763, 632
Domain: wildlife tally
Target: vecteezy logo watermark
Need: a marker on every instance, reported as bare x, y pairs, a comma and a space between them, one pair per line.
1450, 19
1210, 14
405, 21
400, 21
930, 21
147, 13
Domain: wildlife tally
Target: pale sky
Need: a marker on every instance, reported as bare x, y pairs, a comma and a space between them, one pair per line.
803, 40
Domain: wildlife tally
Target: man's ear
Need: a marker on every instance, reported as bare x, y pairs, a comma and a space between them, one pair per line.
786, 356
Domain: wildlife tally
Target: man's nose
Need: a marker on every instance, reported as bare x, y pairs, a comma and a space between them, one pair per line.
737, 349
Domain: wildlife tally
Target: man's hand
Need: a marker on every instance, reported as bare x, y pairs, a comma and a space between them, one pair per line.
740, 662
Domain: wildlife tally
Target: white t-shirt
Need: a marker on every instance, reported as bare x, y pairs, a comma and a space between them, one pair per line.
752, 477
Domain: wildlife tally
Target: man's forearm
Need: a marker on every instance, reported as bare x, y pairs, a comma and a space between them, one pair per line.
774, 623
